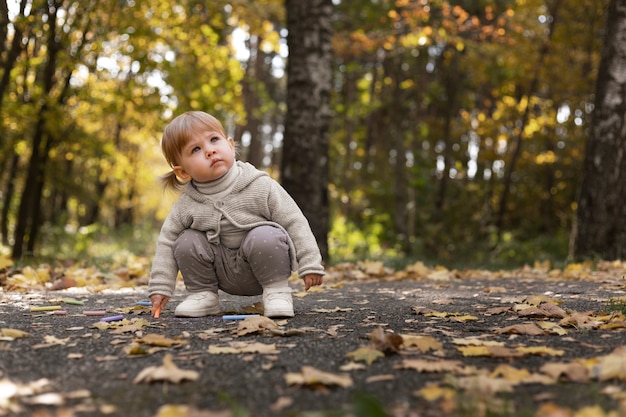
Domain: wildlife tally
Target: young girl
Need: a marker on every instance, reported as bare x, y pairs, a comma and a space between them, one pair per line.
234, 228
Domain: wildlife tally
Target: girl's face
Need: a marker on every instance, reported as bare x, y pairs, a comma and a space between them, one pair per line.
206, 157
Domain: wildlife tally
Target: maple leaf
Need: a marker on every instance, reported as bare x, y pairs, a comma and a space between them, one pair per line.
612, 366
552, 328
159, 340
428, 366
243, 347
385, 342
529, 328
168, 372
365, 354
575, 372
423, 343
312, 377
255, 324
493, 351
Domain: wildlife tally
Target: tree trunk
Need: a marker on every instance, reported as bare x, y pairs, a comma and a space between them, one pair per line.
601, 226
304, 165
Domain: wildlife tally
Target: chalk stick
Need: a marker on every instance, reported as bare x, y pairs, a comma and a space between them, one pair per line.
144, 303
94, 312
74, 302
238, 316
45, 308
112, 318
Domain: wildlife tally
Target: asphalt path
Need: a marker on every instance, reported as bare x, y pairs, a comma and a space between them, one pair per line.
74, 365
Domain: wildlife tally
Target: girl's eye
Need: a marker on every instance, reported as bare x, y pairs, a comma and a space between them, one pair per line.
195, 149
215, 138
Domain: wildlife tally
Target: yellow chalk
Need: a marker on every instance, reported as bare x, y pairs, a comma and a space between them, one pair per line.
45, 308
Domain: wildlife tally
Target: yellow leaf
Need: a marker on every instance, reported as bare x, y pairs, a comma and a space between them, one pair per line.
313, 377
435, 392
429, 366
423, 343
365, 354
13, 333
540, 350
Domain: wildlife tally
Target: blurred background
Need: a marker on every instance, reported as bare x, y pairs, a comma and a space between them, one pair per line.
457, 130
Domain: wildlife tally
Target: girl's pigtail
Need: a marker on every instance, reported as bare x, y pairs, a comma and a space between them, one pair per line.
171, 182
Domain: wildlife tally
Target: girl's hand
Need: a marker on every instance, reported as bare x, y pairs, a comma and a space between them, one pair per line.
311, 280
158, 303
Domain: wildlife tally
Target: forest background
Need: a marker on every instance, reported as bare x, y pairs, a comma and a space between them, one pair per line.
457, 130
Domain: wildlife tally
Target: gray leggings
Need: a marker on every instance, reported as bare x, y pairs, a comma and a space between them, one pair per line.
262, 258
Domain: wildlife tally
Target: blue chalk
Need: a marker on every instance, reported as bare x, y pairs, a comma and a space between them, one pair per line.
238, 316
144, 303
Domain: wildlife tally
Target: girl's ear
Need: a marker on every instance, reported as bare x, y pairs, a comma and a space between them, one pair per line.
181, 173
232, 142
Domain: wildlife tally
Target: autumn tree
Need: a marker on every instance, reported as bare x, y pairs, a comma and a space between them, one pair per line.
601, 228
304, 166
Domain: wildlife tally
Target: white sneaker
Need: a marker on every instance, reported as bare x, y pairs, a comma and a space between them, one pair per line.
199, 304
277, 302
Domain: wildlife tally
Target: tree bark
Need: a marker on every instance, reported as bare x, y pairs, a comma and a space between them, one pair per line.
304, 165
600, 229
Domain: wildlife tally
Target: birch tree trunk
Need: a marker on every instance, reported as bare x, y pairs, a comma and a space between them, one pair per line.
600, 229
304, 165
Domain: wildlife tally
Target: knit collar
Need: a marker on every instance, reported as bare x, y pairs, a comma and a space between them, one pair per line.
219, 185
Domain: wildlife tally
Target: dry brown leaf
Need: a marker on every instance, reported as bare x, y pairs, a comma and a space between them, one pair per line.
312, 377
154, 339
612, 366
581, 321
168, 372
386, 342
552, 328
423, 343
575, 372
528, 328
492, 351
429, 366
256, 324
244, 347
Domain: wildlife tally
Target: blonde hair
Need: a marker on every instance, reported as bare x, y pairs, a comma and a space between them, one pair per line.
176, 135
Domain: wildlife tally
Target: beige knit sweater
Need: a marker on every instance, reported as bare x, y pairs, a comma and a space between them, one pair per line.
255, 200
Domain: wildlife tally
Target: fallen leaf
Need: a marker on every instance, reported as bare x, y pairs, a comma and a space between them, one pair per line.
575, 372
312, 377
168, 372
423, 343
243, 347
365, 354
160, 340
13, 333
256, 324
528, 328
385, 342
380, 378
429, 366
612, 366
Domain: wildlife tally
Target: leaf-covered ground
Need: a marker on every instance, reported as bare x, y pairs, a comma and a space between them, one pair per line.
371, 342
